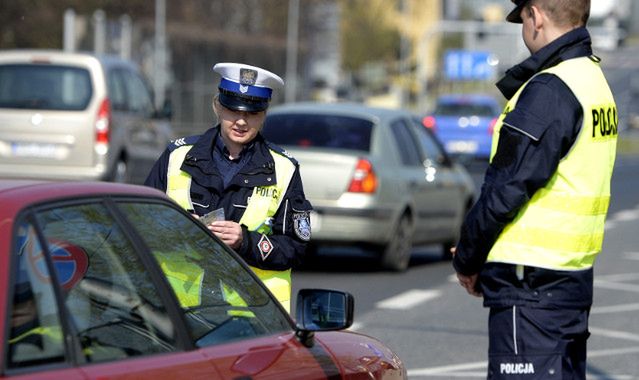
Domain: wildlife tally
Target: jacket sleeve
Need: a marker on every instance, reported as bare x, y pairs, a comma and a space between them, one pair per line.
291, 232
157, 175
533, 139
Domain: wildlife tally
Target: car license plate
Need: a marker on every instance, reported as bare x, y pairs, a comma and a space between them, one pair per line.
19, 149
462, 146
316, 221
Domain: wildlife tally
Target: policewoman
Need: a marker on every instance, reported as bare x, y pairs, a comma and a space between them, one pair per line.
529, 244
253, 185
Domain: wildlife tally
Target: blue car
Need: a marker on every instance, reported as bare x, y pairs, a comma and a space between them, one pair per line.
464, 123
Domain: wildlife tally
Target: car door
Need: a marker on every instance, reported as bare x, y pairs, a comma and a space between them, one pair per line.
234, 321
451, 194
415, 182
104, 313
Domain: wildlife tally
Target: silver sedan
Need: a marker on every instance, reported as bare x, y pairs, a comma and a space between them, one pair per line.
376, 178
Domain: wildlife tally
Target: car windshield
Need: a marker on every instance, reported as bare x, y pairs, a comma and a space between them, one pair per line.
464, 109
320, 131
44, 87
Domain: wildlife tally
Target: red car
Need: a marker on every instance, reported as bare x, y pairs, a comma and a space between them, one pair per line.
102, 280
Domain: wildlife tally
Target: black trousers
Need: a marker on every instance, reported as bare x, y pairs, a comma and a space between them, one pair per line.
532, 343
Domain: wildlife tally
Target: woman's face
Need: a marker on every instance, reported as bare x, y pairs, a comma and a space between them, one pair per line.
239, 128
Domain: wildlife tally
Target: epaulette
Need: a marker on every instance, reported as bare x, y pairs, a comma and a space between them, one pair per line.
191, 140
281, 151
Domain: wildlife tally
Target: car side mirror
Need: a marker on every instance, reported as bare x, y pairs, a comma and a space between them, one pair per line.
322, 310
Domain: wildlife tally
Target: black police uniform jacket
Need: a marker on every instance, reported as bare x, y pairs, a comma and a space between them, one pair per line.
548, 110
208, 193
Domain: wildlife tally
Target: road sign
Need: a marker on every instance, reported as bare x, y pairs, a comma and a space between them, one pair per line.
468, 65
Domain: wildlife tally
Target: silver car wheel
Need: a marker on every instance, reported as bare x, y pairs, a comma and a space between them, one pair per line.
396, 254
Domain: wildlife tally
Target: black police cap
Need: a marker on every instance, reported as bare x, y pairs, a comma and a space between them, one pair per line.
515, 15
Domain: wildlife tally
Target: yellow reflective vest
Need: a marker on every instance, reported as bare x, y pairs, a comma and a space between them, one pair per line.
263, 204
562, 226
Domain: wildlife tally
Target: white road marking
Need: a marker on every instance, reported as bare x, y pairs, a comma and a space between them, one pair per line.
450, 375
408, 299
613, 334
615, 308
626, 215
619, 277
613, 352
631, 255
616, 286
448, 368
621, 216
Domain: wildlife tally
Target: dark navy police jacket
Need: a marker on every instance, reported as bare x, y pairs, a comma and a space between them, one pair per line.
208, 193
547, 110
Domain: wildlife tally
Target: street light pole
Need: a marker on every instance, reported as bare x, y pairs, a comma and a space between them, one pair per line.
291, 50
159, 67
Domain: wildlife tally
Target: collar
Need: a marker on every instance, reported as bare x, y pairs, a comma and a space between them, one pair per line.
223, 150
575, 43
200, 153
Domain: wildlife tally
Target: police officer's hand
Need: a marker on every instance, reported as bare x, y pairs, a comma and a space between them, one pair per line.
469, 283
228, 231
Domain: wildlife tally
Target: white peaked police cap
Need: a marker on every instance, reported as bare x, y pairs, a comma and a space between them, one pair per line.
245, 87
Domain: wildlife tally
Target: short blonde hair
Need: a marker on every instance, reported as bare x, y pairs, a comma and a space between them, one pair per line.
565, 12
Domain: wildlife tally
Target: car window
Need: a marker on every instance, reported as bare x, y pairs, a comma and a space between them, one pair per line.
465, 109
112, 302
321, 131
117, 93
44, 87
408, 148
138, 96
222, 302
35, 332
430, 144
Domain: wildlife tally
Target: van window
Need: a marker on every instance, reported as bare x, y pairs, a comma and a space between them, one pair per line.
319, 131
44, 87
117, 93
139, 98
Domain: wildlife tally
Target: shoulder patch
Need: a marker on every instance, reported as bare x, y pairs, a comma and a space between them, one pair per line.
190, 140
281, 151
302, 225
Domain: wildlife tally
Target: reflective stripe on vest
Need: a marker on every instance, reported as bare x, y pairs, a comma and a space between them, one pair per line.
562, 226
53, 332
184, 276
178, 183
263, 204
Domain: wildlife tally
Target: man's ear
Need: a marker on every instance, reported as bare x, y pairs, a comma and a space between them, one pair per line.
538, 16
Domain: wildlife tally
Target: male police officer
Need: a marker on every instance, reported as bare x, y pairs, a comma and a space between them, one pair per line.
253, 185
529, 243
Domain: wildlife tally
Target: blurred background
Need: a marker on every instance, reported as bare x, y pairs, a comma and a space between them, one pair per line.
399, 53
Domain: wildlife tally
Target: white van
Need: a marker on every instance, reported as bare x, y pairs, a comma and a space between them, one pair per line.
76, 116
